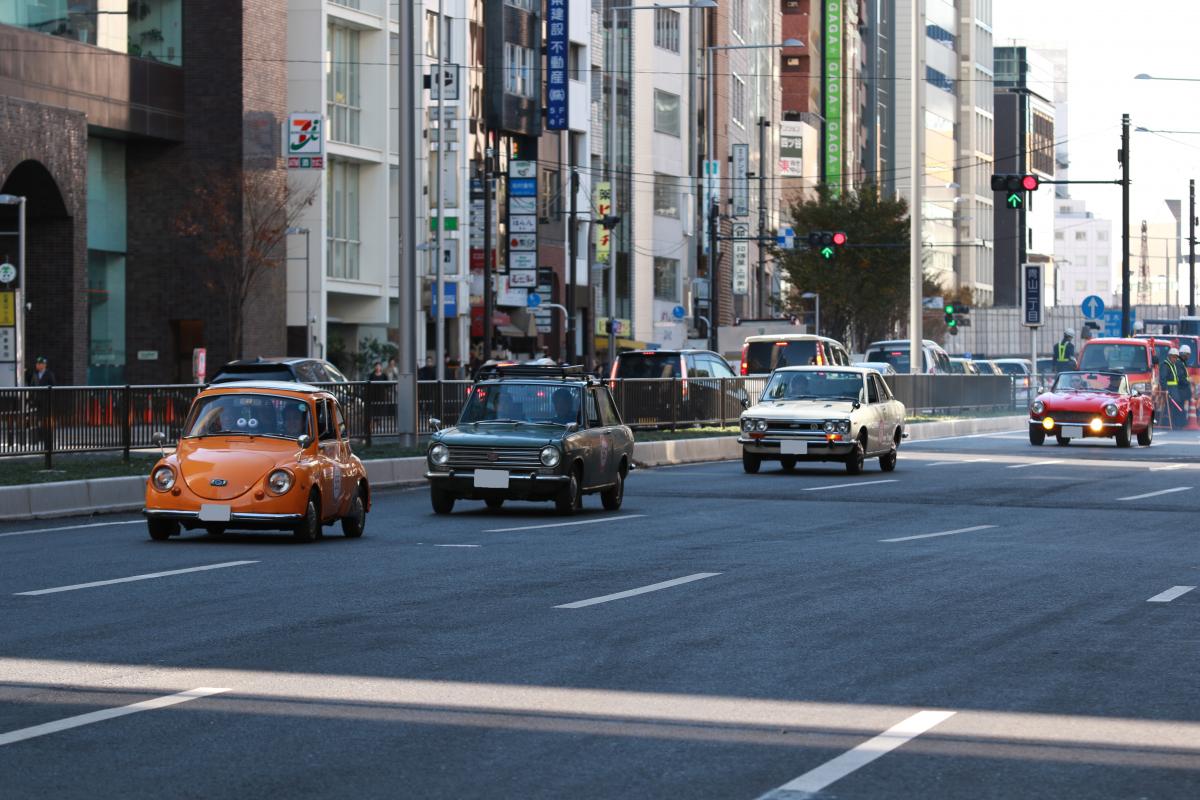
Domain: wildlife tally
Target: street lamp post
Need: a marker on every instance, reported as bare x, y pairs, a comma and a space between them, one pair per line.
19, 295
307, 291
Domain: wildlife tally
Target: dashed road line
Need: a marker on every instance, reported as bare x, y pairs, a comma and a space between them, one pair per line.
1170, 594
1156, 494
133, 578
943, 533
563, 524
654, 587
1036, 463
72, 527
849, 485
458, 545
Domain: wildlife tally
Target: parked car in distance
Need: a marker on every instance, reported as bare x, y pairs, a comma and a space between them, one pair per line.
532, 433
763, 354
895, 351
260, 455
1083, 405
845, 414
702, 394
286, 369
1021, 371
963, 366
987, 367
882, 367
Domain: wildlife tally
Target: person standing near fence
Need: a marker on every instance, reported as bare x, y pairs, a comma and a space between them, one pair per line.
427, 372
1173, 376
42, 376
376, 395
1064, 352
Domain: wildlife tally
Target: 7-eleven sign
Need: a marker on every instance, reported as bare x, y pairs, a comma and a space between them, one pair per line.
305, 141
603, 203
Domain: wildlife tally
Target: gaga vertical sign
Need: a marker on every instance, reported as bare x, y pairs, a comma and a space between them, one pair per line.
556, 62
833, 96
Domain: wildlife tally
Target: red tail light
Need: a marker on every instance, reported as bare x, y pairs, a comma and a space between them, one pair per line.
745, 367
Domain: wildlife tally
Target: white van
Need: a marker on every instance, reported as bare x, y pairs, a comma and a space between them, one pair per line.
895, 352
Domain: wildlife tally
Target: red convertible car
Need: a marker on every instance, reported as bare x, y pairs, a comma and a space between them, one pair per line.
1092, 404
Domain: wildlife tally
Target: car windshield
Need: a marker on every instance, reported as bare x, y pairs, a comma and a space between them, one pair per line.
1115, 358
648, 365
764, 357
248, 415
897, 357
522, 402
1011, 368
1088, 382
814, 385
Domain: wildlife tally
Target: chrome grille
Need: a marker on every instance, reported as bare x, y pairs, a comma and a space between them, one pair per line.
1074, 416
474, 457
795, 428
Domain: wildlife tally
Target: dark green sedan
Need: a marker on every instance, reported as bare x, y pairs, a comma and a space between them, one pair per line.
532, 433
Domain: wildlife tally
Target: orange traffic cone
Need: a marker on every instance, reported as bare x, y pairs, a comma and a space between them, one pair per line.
1192, 425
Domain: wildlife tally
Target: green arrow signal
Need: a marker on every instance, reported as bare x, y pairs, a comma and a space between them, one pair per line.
827, 251
1014, 200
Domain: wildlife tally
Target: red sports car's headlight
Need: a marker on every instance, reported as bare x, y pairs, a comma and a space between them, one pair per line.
1111, 410
1037, 407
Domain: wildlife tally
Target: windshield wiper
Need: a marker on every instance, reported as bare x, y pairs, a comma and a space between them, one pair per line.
514, 421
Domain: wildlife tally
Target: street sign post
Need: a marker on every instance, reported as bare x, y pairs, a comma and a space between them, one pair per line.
1112, 321
1032, 297
1093, 307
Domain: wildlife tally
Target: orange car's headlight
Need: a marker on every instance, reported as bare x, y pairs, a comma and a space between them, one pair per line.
163, 478
280, 482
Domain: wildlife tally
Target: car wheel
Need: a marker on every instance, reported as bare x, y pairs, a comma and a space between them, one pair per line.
856, 460
569, 499
443, 501
309, 527
355, 522
494, 503
751, 462
1063, 441
162, 529
887, 463
1037, 435
612, 497
788, 463
1125, 435
1146, 437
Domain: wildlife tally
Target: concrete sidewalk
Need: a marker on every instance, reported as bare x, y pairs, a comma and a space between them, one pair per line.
108, 495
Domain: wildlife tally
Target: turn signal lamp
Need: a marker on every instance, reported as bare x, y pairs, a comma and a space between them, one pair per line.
1097, 425
1048, 423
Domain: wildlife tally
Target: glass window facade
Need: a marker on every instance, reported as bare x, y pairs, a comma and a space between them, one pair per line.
343, 85
147, 28
666, 112
155, 30
666, 279
106, 226
342, 221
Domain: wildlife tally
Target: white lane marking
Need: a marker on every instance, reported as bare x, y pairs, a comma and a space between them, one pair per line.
1156, 494
132, 578
1170, 594
848, 485
564, 524
943, 533
654, 587
831, 771
71, 527
996, 435
962, 461
108, 713
1168, 468
1036, 463
457, 545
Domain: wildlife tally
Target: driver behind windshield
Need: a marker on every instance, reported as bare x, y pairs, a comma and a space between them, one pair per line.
566, 406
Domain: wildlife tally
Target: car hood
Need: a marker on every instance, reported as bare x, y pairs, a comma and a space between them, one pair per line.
801, 409
239, 461
501, 434
1079, 401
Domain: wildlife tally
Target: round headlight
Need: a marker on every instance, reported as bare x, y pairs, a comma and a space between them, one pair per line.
761, 426
1037, 406
844, 426
279, 482
830, 426
1111, 410
550, 456
439, 454
747, 424
163, 478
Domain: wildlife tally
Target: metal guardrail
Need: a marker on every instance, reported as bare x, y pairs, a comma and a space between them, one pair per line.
47, 421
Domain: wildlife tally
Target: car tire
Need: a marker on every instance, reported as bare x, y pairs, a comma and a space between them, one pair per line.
1125, 435
309, 528
788, 463
162, 529
494, 503
1037, 435
856, 460
1063, 441
751, 462
354, 523
1146, 437
612, 497
570, 496
442, 501
887, 462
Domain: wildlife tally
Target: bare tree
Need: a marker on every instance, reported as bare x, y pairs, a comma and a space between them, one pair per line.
240, 221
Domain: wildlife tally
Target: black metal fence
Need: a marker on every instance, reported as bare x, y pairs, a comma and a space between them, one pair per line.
78, 419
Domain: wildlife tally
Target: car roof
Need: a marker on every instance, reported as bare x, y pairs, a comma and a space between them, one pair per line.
270, 386
1010, 360
830, 368
663, 352
268, 360
961, 359
790, 337
1116, 340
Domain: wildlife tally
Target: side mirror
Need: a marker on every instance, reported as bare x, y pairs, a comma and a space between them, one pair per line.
304, 441
745, 403
160, 439
435, 423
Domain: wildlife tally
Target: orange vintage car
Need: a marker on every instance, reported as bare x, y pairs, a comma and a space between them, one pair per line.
260, 455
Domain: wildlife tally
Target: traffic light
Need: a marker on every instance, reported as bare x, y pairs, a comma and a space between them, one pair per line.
951, 322
1014, 187
826, 242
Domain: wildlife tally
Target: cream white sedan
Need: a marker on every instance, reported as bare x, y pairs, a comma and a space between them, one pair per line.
845, 414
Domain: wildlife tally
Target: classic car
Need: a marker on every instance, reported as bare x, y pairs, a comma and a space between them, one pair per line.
260, 455
532, 433
1083, 404
845, 414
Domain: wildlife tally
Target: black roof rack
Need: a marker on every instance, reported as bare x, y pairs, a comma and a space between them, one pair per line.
541, 371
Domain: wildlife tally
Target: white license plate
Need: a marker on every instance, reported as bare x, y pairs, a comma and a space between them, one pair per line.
210, 512
491, 479
788, 448
1071, 431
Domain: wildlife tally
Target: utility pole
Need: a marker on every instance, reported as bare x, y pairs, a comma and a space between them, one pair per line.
487, 248
763, 123
916, 168
572, 263
1192, 247
406, 294
439, 299
714, 274
1126, 328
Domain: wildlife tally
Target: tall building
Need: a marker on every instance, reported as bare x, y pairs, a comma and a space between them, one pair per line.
1083, 251
973, 212
123, 143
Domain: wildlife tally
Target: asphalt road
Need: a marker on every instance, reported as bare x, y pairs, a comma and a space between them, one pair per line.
989, 621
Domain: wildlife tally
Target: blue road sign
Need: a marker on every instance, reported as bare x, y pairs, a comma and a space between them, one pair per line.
786, 238
533, 300
1112, 321
678, 312
1093, 307
522, 187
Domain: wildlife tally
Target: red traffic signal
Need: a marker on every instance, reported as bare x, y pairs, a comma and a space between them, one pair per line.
1029, 183
839, 238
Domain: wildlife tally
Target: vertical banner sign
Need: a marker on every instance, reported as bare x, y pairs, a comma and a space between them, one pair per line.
709, 194
556, 65
741, 258
1032, 297
305, 141
833, 95
603, 209
522, 224
741, 183
791, 149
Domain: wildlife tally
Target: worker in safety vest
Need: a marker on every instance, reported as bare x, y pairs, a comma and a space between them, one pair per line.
1172, 375
1064, 352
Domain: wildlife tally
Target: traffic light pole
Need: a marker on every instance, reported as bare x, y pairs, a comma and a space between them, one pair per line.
1192, 247
1125, 326
714, 274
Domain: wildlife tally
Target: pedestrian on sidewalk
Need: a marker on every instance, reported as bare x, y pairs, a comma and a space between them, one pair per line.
1174, 380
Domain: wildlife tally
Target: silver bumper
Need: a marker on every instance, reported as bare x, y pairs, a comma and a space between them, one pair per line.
236, 516
469, 474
